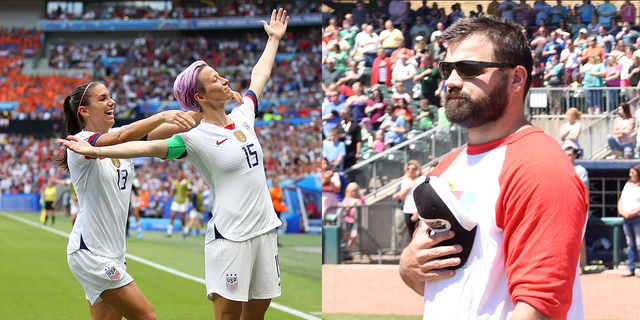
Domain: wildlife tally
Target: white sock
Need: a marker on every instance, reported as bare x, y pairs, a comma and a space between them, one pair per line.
139, 228
169, 229
186, 230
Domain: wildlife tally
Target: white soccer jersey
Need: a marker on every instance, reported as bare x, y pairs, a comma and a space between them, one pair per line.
103, 187
230, 160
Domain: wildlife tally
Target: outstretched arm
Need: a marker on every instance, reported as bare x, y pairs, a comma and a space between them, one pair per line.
133, 149
262, 71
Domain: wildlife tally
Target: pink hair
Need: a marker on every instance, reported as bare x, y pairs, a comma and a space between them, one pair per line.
186, 86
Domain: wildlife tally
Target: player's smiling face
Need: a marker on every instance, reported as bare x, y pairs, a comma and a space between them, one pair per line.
99, 113
216, 87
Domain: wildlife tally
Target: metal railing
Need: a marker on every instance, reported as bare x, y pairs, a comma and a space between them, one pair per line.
376, 170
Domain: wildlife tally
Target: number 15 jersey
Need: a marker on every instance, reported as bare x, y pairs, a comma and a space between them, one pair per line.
230, 160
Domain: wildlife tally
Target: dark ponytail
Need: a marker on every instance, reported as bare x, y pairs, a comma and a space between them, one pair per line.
72, 120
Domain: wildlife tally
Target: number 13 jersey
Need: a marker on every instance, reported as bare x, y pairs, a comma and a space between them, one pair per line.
230, 160
103, 187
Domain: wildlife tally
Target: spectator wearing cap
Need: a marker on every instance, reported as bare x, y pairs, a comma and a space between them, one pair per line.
367, 43
381, 70
581, 41
419, 47
437, 45
390, 37
420, 29
605, 12
505, 10
628, 35
360, 14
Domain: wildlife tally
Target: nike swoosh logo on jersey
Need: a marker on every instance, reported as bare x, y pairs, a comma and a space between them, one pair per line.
220, 142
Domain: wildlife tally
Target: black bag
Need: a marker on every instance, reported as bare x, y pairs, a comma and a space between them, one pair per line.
556, 80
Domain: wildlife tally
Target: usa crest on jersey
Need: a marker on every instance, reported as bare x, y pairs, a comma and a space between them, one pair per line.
232, 282
240, 136
116, 162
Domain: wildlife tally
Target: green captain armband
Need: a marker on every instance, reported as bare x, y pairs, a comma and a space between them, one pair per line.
177, 149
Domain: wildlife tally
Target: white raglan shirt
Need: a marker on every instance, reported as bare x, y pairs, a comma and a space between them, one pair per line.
230, 161
531, 210
103, 187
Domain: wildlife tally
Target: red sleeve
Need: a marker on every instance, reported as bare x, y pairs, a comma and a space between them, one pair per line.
542, 209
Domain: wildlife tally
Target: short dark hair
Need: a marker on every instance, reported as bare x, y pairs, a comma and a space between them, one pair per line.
573, 150
509, 44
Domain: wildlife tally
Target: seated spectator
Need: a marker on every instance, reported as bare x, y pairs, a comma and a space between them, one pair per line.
420, 47
621, 138
394, 127
614, 29
577, 27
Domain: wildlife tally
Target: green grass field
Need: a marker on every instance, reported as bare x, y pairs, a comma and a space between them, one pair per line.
342, 316
36, 282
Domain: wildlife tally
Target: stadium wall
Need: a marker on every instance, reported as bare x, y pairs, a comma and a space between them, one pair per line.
21, 14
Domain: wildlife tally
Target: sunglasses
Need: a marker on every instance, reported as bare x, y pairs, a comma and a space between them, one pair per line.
468, 69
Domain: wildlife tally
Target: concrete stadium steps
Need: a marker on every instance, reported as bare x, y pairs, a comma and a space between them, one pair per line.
42, 67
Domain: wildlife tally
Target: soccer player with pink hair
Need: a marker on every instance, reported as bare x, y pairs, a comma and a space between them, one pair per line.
241, 252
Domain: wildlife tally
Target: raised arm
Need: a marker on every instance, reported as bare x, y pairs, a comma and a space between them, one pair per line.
158, 126
262, 71
133, 149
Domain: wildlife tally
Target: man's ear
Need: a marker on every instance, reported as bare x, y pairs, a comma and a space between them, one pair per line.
519, 79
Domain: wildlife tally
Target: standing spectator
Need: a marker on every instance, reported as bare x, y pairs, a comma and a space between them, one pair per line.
349, 133
625, 61
436, 47
357, 102
367, 43
423, 10
505, 10
629, 209
393, 126
366, 134
398, 11
420, 47
403, 72
592, 49
552, 47
430, 79
612, 78
420, 29
402, 110
380, 12
592, 27
329, 73
456, 13
570, 131
634, 81
412, 177
338, 56
376, 107
401, 93
628, 35
395, 55
553, 75
390, 37
352, 198
406, 33
577, 27
334, 150
605, 12
49, 197
331, 112
586, 10
533, 198
605, 40
522, 12
581, 41
331, 186
348, 34
590, 72
557, 12
351, 76
381, 70
628, 12
621, 138
277, 197
541, 9
614, 28
537, 72
493, 8
570, 57
360, 14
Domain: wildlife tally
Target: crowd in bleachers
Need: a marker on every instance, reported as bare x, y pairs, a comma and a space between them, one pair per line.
380, 68
127, 10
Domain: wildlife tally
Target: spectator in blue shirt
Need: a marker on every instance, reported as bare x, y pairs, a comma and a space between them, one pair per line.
558, 12
605, 12
541, 10
393, 126
552, 48
586, 10
333, 149
331, 112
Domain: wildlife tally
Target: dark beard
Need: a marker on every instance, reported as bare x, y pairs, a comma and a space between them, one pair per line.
473, 113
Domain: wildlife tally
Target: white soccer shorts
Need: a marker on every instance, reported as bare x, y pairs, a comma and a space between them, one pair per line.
195, 214
179, 207
74, 209
97, 273
135, 202
243, 271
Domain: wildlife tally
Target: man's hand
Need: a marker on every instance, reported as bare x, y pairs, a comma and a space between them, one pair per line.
419, 261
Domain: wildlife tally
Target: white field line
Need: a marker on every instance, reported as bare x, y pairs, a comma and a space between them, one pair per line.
159, 266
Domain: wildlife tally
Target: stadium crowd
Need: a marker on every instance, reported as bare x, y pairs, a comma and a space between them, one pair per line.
381, 77
126, 11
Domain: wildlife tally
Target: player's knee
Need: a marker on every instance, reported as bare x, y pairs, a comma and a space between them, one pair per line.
148, 314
